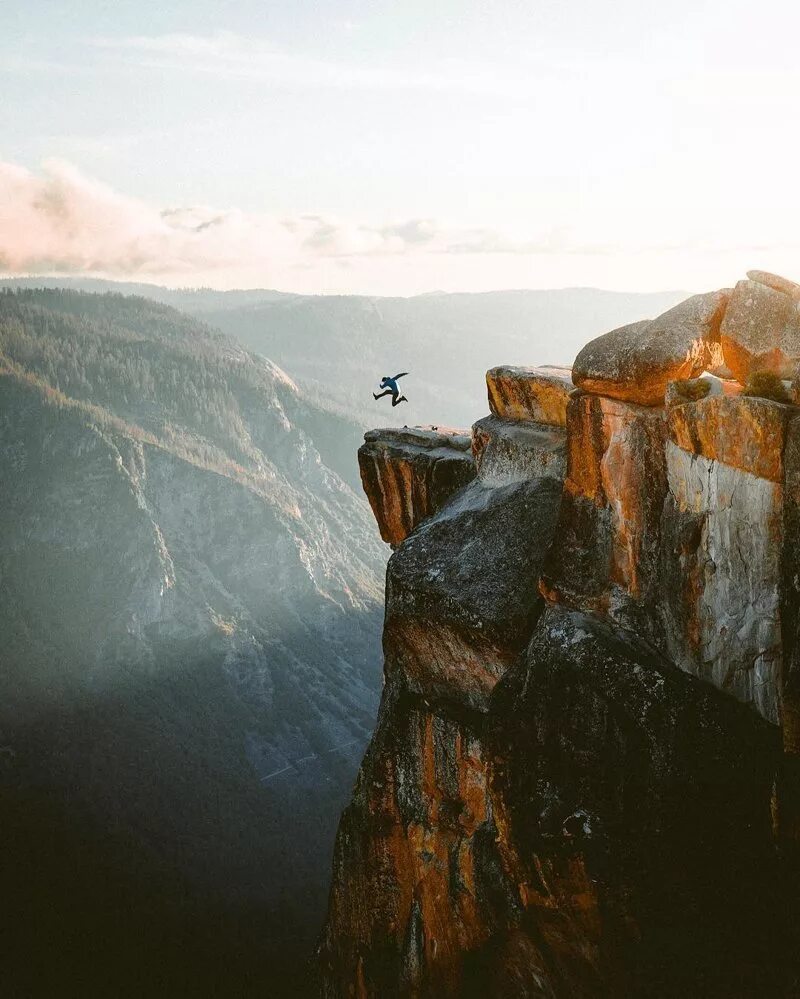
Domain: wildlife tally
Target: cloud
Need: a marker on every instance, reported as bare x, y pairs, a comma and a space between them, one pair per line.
60, 220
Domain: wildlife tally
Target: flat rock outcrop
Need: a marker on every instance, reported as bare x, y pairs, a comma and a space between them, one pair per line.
635, 362
761, 330
746, 432
513, 450
585, 777
537, 394
408, 474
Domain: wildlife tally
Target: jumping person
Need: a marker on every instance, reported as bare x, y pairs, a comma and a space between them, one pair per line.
390, 387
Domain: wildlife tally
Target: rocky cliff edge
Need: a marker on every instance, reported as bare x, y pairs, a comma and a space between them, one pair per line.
584, 776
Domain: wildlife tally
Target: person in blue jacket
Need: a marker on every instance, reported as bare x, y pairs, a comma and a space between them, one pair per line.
390, 387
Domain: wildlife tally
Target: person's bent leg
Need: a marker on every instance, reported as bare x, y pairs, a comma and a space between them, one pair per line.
380, 395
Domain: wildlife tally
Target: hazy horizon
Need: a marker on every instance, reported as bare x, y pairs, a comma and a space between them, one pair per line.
7, 278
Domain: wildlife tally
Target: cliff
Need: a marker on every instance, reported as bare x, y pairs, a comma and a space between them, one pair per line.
584, 776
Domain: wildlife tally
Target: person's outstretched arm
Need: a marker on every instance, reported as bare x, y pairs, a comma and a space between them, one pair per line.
401, 375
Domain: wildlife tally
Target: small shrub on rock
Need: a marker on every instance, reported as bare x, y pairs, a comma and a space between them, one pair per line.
692, 389
766, 385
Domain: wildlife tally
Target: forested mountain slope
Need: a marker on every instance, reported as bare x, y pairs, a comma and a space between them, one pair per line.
189, 667
338, 346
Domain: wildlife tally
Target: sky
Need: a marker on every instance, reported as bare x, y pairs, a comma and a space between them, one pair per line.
398, 148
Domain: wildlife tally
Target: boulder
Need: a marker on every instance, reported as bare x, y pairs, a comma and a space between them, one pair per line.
761, 331
634, 363
410, 473
539, 394
777, 282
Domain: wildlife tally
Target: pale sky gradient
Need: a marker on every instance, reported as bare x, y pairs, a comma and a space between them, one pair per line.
400, 147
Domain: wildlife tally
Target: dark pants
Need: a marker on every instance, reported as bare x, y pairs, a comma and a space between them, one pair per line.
396, 397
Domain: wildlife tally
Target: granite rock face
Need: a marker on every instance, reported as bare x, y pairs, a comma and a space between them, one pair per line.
761, 330
513, 450
722, 543
486, 854
409, 474
634, 363
537, 394
607, 555
585, 778
461, 596
777, 282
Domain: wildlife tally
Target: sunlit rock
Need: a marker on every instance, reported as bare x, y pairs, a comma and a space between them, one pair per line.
634, 363
761, 330
538, 394
607, 552
408, 474
746, 432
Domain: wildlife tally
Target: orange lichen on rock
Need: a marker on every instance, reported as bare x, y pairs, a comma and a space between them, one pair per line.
608, 524
539, 394
761, 331
563, 797
408, 474
744, 431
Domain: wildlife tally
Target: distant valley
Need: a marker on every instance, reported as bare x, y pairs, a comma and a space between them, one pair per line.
190, 595
338, 346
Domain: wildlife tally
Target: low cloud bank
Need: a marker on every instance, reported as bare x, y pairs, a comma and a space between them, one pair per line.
60, 220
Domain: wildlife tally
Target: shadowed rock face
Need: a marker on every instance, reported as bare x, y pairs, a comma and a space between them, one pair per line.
604, 829
721, 544
409, 474
636, 803
461, 593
